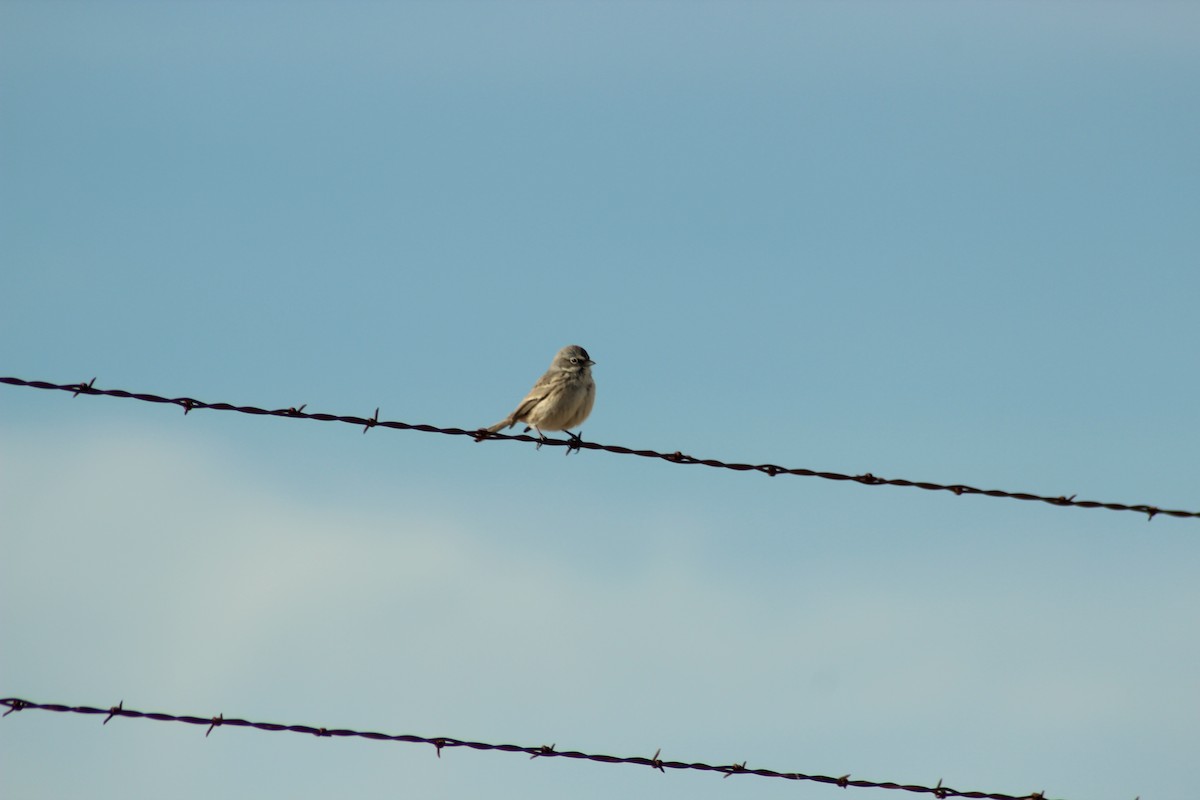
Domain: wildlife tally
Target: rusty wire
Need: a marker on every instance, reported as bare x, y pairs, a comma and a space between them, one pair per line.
543, 751
189, 404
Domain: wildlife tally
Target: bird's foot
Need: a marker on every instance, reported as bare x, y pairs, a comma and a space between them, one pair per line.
541, 436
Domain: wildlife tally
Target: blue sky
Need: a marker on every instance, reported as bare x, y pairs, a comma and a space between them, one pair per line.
941, 241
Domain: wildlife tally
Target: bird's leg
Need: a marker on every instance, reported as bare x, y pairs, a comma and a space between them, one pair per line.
541, 436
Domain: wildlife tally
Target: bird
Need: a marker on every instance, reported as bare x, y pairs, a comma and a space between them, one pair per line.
561, 399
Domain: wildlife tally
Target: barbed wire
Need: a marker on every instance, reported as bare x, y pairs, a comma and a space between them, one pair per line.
543, 751
574, 443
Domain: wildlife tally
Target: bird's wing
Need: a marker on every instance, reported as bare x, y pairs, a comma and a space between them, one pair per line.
535, 396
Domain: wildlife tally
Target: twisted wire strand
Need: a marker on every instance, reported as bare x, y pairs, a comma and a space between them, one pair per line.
189, 404
543, 751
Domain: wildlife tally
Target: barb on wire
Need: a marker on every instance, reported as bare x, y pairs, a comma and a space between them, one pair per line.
544, 751
575, 443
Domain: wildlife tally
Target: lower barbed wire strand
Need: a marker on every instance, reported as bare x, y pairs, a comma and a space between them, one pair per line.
540, 751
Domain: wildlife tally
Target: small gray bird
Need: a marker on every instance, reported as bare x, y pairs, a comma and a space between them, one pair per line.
561, 399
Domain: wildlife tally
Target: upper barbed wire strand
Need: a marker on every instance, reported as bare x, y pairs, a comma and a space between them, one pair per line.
189, 404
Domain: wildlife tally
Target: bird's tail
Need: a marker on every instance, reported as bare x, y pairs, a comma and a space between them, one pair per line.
504, 423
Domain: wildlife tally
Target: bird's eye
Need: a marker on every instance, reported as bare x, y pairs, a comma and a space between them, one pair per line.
574, 360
